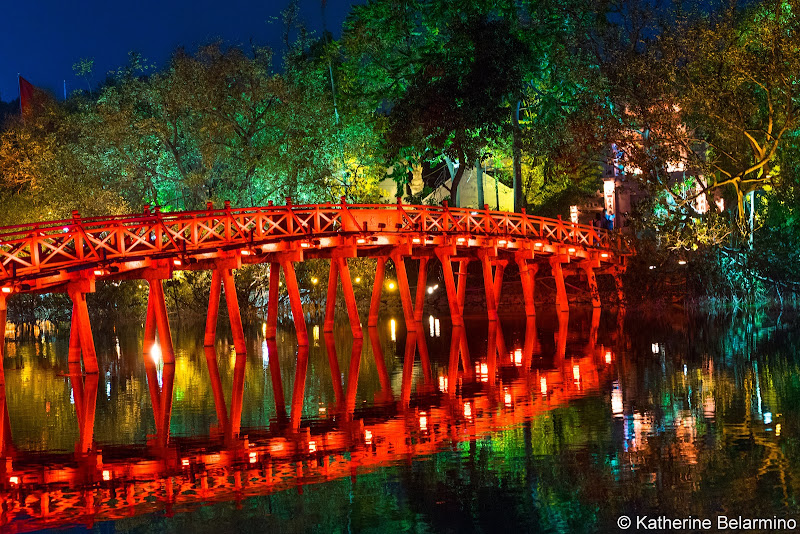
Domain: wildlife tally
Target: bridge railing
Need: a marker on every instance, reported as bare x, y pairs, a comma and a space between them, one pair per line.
29, 249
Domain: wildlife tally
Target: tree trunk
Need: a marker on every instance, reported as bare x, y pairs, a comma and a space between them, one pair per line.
479, 183
417, 184
516, 152
454, 187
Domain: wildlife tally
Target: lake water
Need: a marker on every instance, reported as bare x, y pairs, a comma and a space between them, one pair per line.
562, 424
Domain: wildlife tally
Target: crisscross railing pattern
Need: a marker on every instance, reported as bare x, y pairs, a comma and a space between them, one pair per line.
34, 249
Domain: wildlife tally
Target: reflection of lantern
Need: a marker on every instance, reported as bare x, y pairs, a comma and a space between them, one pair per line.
573, 214
608, 195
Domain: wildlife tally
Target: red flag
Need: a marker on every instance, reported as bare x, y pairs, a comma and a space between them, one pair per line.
26, 90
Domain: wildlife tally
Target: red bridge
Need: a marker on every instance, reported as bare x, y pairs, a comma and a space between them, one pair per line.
71, 255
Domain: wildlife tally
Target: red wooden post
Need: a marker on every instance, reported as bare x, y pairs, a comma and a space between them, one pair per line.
149, 328
167, 384
491, 353
422, 283
450, 286
216, 387
299, 388
213, 309
499, 270
408, 368
463, 268
74, 338
562, 303
488, 285
162, 321
88, 404
375, 301
424, 359
350, 298
330, 302
333, 364
155, 392
272, 300
561, 344
295, 302
452, 366
405, 291
527, 274
591, 281
81, 320
234, 315
530, 343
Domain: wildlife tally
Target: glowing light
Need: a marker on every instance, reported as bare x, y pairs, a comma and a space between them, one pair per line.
368, 437
390, 285
264, 329
358, 280
654, 348
416, 240
304, 244
430, 324
573, 214
106, 475
767, 418
720, 203
604, 255
616, 400
312, 447
608, 356
484, 371
13, 480
253, 457
576, 373
246, 252
423, 421
98, 272
508, 399
361, 240
571, 250
608, 194
467, 410
543, 385
778, 429
443, 384
537, 245
502, 242
185, 462
177, 262
323, 409
436, 324
517, 357
393, 329
314, 280
7, 289
652, 267
315, 331
65, 229
461, 239
430, 290
155, 352
681, 262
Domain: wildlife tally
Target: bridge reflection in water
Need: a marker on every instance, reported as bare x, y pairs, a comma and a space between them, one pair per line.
439, 401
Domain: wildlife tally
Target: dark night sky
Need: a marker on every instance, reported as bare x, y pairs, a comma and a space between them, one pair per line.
41, 40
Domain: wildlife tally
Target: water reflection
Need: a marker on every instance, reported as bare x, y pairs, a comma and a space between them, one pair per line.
567, 421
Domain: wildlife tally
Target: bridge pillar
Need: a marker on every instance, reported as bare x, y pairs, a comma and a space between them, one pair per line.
333, 365
591, 282
339, 269
444, 255
294, 300
422, 282
488, 284
272, 300
222, 276
81, 339
562, 303
405, 291
463, 268
375, 301
85, 394
380, 365
157, 318
299, 387
499, 270
527, 274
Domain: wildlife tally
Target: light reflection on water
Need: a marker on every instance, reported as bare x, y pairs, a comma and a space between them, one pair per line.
558, 424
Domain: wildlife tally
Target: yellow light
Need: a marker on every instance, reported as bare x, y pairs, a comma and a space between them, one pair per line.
13, 480
390, 285
423, 421
681, 262
517, 357
361, 240
314, 280
416, 240
508, 399
608, 356
315, 332
604, 255
312, 446
253, 457
358, 279
537, 245
543, 385
106, 475
502, 242
571, 250
368, 437
7, 289
576, 372
246, 252
98, 272
467, 409
304, 244
185, 462
461, 239
778, 429
176, 262
393, 328
155, 352
443, 384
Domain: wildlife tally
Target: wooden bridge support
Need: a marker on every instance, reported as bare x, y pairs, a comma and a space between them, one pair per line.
156, 320
275, 378
84, 392
562, 303
287, 264
219, 277
375, 301
463, 268
445, 254
527, 274
405, 290
333, 365
380, 365
216, 387
422, 287
339, 270
591, 282
81, 340
272, 300
299, 387
488, 284
352, 379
